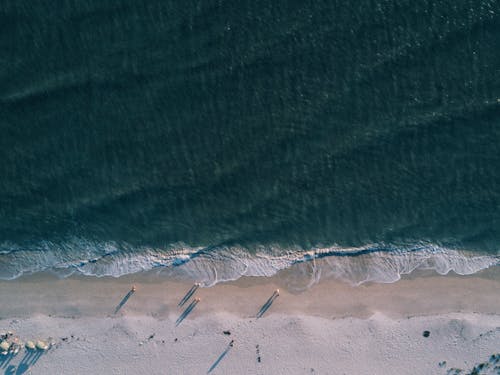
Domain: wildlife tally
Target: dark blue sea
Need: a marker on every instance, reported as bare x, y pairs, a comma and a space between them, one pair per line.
226, 138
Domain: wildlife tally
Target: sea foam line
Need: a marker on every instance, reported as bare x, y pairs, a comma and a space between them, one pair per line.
211, 265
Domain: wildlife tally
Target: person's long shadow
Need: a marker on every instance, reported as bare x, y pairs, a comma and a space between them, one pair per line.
186, 312
188, 294
125, 299
268, 303
216, 363
5, 359
29, 360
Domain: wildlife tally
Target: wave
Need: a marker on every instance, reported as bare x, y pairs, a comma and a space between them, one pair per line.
383, 263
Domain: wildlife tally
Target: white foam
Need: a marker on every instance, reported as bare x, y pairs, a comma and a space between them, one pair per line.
356, 265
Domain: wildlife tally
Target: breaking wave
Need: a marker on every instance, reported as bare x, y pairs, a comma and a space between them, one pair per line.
383, 263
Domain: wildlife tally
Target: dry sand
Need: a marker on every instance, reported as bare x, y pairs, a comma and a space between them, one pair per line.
331, 328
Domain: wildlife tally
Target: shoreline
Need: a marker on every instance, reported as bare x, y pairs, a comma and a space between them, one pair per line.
354, 265
330, 328
421, 292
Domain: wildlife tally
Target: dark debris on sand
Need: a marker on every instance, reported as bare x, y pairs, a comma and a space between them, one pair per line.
258, 353
492, 366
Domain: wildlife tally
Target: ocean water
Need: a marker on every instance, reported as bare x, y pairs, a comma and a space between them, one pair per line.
215, 139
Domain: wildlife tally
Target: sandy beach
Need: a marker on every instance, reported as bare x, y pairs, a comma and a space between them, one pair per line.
423, 324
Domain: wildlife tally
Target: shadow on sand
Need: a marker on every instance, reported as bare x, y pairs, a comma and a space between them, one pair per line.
492, 366
216, 363
268, 303
125, 299
186, 312
10, 370
5, 360
29, 360
188, 294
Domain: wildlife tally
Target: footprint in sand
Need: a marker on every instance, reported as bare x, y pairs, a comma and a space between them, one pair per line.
258, 352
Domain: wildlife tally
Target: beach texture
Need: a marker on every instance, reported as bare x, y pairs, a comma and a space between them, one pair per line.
333, 328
